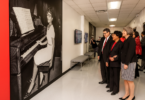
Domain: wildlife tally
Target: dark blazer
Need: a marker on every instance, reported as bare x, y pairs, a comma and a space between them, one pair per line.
105, 50
116, 51
128, 54
94, 45
143, 47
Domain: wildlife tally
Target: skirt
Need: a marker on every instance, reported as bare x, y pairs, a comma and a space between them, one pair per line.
128, 74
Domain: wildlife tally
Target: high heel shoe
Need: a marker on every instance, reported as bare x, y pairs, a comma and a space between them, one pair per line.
124, 98
133, 98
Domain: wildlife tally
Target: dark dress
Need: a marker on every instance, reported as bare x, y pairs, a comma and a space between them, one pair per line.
115, 66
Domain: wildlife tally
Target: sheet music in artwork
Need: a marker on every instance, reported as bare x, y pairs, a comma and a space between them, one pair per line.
24, 19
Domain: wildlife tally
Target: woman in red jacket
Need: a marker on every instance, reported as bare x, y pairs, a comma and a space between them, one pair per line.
138, 50
138, 43
122, 39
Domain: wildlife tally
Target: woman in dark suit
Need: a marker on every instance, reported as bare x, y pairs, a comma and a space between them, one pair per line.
128, 63
115, 62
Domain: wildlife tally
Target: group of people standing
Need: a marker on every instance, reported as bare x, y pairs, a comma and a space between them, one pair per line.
119, 52
140, 47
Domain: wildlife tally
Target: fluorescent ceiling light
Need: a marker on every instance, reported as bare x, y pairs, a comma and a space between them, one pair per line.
112, 25
114, 5
113, 19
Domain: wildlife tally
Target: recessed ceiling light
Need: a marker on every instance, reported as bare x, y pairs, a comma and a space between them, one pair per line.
113, 19
112, 25
114, 5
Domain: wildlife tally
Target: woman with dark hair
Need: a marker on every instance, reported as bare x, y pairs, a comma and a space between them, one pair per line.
128, 63
138, 43
138, 50
45, 54
115, 62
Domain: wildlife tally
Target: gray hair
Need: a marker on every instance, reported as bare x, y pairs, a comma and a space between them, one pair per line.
129, 30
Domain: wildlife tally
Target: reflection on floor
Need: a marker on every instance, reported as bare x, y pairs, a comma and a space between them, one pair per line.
83, 85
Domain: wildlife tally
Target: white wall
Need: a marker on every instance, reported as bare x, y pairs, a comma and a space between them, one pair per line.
138, 21
71, 21
99, 31
82, 28
86, 30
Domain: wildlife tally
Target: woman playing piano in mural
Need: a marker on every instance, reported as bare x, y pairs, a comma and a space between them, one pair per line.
45, 54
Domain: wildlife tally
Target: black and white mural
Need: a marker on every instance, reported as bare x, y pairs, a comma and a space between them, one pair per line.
92, 32
35, 46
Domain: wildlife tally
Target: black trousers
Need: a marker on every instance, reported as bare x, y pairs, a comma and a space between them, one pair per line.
136, 71
104, 71
95, 51
114, 79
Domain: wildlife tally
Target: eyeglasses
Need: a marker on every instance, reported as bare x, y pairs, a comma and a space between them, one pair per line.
104, 33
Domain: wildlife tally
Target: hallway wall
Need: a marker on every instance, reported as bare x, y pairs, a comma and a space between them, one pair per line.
71, 21
138, 21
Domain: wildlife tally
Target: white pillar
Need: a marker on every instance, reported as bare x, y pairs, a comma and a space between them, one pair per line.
82, 29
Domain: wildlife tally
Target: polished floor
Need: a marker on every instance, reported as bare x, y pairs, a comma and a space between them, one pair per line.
83, 85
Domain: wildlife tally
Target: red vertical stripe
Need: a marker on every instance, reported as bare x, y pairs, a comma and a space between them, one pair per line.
4, 51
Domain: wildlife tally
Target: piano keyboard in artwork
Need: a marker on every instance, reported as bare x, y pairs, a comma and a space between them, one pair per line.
24, 55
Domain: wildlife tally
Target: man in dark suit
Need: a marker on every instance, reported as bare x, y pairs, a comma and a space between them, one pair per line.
103, 56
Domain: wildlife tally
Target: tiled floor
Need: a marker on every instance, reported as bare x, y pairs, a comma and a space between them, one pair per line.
83, 85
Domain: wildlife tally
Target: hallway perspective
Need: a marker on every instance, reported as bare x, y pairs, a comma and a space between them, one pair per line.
83, 85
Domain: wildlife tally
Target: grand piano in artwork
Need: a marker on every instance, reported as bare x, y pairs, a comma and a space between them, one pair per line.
22, 50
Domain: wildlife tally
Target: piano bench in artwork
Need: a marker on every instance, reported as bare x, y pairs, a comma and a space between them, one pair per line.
44, 68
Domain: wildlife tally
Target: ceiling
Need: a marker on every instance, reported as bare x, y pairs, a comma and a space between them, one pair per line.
129, 9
